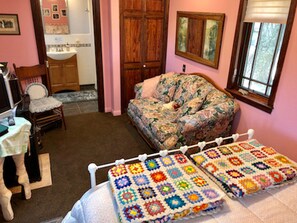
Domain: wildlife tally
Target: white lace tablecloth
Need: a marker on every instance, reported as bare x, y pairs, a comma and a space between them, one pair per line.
16, 141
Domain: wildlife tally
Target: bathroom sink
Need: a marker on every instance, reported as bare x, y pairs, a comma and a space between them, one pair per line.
61, 55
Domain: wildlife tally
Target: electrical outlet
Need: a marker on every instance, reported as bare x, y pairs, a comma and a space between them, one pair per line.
184, 68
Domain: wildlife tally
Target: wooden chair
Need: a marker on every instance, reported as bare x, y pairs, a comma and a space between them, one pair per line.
43, 109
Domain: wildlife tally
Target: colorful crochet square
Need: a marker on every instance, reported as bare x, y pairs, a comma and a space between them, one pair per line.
236, 190
236, 148
199, 208
189, 169
210, 193
180, 158
246, 167
158, 177
133, 212
193, 197
165, 189
246, 146
211, 167
175, 202
290, 173
146, 193
127, 196
154, 207
223, 177
199, 181
151, 165
225, 151
183, 185
122, 182
276, 176
247, 157
222, 164
212, 154
235, 161
200, 159
234, 173
263, 180
167, 161
283, 159
258, 154
135, 168
272, 162
247, 170
269, 150
249, 185
118, 170
160, 190
141, 180
174, 173
260, 165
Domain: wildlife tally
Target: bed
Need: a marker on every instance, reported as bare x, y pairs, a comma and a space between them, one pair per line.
276, 203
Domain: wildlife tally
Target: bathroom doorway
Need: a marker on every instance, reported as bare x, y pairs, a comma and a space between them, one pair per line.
41, 46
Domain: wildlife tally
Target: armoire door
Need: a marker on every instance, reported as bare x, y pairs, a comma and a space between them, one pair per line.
144, 25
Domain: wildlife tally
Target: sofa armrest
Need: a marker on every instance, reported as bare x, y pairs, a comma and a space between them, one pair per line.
138, 90
209, 123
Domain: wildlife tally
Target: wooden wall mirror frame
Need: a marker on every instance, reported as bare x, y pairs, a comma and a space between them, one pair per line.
199, 36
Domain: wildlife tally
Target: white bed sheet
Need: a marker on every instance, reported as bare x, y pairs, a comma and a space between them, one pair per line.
278, 205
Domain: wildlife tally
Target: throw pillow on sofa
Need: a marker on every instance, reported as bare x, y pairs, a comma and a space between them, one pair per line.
166, 88
187, 88
190, 107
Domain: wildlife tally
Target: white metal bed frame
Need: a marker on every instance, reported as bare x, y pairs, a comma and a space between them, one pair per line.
92, 168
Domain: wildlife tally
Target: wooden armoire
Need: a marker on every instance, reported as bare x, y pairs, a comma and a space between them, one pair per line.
143, 33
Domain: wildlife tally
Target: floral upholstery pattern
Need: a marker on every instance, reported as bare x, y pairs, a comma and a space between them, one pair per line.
189, 87
203, 112
166, 88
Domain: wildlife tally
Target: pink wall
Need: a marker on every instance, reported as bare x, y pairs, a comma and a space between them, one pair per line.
19, 49
277, 129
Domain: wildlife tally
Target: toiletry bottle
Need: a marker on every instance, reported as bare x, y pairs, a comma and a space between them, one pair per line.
67, 47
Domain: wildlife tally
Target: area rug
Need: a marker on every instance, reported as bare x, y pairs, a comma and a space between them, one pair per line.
45, 171
76, 96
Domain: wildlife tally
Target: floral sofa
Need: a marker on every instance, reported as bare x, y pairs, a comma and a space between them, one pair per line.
172, 110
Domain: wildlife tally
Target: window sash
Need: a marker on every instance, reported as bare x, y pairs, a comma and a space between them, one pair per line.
247, 77
269, 11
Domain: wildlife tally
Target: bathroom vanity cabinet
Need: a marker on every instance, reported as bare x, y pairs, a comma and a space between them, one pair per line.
63, 74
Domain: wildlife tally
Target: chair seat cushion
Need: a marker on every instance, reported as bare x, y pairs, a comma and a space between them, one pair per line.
44, 104
36, 91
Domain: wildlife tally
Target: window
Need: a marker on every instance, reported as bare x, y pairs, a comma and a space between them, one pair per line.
261, 41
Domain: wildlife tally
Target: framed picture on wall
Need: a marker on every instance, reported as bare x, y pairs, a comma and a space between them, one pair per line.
63, 12
56, 16
46, 12
9, 24
54, 8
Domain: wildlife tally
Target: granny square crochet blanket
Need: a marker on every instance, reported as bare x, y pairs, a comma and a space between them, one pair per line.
246, 167
162, 189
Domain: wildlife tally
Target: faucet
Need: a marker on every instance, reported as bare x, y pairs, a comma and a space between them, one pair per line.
59, 48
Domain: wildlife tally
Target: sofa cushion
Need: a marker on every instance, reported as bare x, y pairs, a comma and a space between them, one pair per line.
166, 87
188, 87
190, 107
214, 97
138, 106
161, 123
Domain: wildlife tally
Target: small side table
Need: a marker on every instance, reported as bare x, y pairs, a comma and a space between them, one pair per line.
14, 143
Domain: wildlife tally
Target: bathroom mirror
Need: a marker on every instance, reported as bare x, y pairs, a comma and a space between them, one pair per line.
199, 36
55, 16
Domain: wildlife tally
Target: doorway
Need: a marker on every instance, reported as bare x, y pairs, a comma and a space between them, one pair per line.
41, 47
